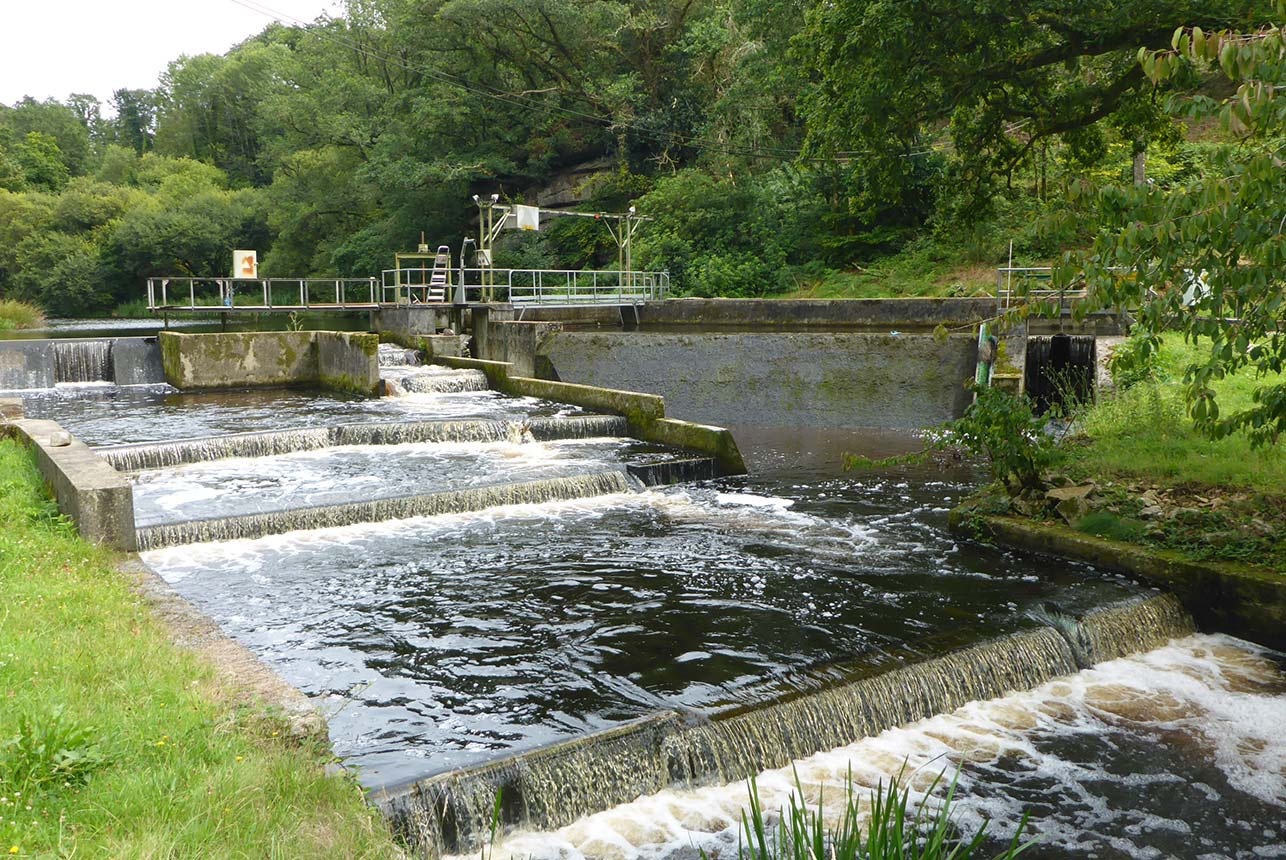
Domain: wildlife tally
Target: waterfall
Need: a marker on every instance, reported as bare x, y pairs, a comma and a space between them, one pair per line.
83, 361
445, 383
556, 785
1122, 629
162, 455
392, 355
251, 526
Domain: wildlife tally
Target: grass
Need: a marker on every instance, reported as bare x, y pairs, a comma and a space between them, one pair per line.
923, 268
19, 315
1142, 432
114, 742
895, 830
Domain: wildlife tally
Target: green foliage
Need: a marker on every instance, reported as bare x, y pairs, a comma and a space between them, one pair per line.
1109, 525
896, 830
998, 428
1205, 255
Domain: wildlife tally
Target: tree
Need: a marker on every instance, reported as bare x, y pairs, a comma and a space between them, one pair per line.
1209, 257
996, 78
135, 123
41, 161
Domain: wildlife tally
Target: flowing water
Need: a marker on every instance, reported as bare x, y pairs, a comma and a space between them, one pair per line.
465, 580
445, 641
112, 415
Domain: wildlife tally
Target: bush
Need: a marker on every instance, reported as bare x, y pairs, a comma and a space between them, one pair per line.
19, 315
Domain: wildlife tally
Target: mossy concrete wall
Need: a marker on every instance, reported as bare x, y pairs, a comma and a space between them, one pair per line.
1226, 597
97, 498
271, 359
815, 379
348, 361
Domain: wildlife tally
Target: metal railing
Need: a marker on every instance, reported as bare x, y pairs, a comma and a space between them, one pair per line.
522, 287
525, 287
261, 294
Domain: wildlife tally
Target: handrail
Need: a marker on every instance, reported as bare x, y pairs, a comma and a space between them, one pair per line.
549, 287
228, 294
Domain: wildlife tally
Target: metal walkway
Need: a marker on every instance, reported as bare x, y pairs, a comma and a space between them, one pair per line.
402, 287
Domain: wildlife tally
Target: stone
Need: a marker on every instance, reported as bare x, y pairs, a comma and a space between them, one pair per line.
1062, 494
1073, 509
59, 439
1151, 512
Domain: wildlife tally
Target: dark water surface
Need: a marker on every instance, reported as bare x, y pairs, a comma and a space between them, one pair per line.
443, 642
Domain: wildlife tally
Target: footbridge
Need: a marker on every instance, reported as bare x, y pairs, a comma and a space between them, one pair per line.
519, 288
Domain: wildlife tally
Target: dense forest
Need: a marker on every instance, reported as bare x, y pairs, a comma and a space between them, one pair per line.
781, 146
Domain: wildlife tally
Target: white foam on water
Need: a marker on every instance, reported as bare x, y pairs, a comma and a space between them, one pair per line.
1216, 694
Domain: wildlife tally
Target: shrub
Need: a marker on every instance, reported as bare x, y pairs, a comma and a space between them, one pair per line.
17, 315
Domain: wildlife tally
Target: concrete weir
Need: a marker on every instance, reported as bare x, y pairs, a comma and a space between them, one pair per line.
252, 526
553, 786
161, 455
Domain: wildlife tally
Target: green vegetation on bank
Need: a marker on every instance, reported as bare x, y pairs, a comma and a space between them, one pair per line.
1140, 430
114, 742
19, 315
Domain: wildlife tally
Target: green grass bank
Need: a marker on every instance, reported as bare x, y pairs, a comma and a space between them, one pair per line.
116, 742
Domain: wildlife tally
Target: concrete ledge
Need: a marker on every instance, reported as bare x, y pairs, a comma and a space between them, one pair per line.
1222, 596
716, 441
818, 313
644, 412
97, 498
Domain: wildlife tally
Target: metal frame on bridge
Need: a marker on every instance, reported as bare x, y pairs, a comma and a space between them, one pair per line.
401, 287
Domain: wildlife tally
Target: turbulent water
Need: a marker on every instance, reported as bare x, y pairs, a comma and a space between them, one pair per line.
228, 487
110, 415
1176, 752
444, 641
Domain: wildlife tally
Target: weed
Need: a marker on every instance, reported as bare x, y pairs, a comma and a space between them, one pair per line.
49, 749
895, 831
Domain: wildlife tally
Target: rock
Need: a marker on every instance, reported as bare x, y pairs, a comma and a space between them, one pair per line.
1151, 512
1057, 479
1073, 509
1062, 494
59, 439
1029, 507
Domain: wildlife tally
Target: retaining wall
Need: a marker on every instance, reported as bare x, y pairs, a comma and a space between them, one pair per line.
816, 379
340, 360
645, 413
1222, 596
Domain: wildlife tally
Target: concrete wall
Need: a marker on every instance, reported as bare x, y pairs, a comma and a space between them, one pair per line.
817, 379
348, 361
271, 359
98, 499
26, 364
817, 313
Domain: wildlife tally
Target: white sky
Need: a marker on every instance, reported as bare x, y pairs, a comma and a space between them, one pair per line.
58, 47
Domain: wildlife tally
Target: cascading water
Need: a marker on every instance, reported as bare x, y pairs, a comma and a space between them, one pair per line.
379, 510
161, 455
553, 787
392, 355
83, 361
444, 383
